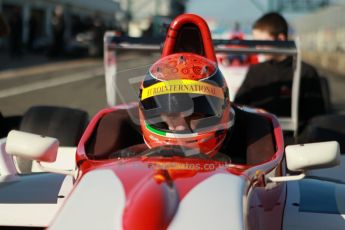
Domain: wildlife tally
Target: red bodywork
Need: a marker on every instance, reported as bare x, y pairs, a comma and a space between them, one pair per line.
147, 183
244, 60
176, 25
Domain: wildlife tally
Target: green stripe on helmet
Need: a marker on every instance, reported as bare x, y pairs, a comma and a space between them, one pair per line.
158, 132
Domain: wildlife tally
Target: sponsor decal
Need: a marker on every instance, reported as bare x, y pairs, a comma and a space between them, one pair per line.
182, 86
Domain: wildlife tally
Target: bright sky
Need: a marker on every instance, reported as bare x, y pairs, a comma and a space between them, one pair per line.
226, 12
224, 9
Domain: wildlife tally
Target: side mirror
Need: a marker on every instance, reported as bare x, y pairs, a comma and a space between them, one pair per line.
309, 156
31, 146
312, 156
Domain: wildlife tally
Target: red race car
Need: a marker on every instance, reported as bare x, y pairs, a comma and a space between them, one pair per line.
116, 181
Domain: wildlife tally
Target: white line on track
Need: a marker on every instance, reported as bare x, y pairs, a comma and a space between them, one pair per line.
51, 82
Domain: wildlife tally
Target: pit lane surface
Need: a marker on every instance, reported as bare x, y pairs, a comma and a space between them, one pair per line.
82, 84
79, 85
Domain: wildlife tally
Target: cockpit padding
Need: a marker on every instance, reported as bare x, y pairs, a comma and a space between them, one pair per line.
251, 139
325, 128
115, 131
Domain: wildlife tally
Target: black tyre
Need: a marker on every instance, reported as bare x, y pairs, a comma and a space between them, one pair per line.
65, 124
8, 123
326, 95
325, 128
2, 126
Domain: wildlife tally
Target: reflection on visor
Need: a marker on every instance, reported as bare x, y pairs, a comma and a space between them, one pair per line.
182, 103
194, 124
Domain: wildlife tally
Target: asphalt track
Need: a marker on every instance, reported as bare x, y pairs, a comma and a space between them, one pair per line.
77, 84
76, 87
81, 84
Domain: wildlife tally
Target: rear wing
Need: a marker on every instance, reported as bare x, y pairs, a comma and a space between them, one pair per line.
114, 44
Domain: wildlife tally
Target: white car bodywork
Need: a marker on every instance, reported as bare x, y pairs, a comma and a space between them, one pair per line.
318, 201
224, 209
195, 212
41, 194
33, 199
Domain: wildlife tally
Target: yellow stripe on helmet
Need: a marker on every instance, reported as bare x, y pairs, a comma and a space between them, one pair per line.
182, 86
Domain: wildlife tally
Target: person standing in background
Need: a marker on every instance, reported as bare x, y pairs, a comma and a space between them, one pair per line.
98, 30
268, 85
32, 31
58, 28
16, 32
4, 29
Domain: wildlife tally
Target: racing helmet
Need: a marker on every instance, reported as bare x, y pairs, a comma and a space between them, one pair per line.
184, 101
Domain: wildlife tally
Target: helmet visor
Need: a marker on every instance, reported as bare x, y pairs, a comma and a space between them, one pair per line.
182, 113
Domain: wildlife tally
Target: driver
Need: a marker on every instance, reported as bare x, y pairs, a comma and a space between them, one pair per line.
184, 101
